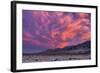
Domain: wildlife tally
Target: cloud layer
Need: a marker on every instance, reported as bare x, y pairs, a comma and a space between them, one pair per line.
50, 29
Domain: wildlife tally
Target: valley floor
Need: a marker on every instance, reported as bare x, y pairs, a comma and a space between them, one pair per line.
47, 58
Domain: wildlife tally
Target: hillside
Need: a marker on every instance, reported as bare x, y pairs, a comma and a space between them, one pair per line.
83, 48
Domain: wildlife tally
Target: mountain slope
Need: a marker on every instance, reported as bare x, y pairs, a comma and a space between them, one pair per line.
83, 48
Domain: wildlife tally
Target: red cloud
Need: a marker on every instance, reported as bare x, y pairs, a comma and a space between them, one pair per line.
54, 36
86, 36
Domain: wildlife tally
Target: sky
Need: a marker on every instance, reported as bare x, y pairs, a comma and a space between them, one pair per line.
44, 30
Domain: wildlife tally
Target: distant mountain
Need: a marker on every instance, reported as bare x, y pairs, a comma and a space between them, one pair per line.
86, 45
83, 48
30, 48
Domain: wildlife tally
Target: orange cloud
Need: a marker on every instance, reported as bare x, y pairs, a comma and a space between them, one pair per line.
65, 27
86, 36
67, 34
62, 45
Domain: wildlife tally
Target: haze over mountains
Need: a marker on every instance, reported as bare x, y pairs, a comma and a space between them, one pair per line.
83, 48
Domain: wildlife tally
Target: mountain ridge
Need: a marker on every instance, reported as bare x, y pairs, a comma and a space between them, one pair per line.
82, 48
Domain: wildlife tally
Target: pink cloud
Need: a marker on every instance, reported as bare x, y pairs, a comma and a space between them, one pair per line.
70, 27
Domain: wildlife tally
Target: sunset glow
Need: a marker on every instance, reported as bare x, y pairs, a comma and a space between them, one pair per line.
51, 29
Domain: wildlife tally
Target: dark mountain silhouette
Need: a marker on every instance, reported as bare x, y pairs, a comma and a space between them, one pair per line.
83, 48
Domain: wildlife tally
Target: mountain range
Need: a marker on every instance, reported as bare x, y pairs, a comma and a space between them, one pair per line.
83, 48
